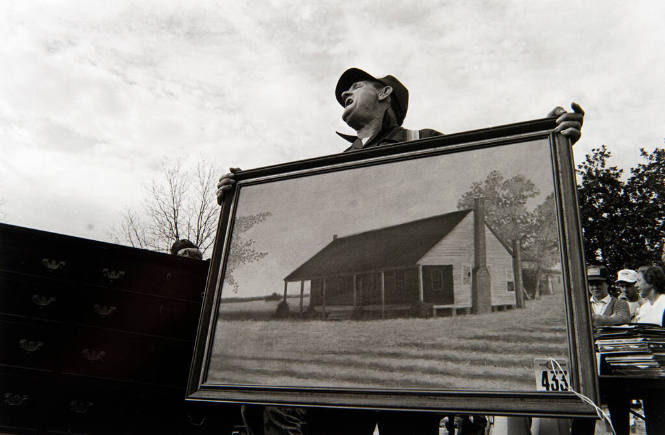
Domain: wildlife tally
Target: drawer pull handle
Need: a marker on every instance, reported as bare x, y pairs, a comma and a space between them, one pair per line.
30, 346
113, 275
93, 355
166, 311
42, 301
12, 399
52, 265
104, 310
79, 406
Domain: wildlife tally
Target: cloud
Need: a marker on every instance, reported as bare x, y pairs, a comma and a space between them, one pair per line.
105, 91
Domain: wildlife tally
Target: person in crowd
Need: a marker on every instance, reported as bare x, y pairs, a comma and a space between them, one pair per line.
626, 279
651, 284
375, 108
185, 248
605, 309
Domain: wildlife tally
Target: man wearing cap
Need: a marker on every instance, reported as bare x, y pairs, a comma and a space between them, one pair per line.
605, 309
185, 248
626, 279
375, 108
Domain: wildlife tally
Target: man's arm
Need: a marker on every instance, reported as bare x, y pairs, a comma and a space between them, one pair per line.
619, 316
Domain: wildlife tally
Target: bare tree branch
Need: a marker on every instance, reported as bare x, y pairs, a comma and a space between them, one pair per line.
179, 205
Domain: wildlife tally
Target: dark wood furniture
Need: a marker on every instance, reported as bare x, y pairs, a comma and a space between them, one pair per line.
618, 391
96, 337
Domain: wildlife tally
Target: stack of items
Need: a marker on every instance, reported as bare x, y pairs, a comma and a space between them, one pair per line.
631, 350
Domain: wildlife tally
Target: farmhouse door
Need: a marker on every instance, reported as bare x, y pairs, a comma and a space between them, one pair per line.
438, 285
368, 286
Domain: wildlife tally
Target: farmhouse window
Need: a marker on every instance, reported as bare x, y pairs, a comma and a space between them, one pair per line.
466, 274
510, 280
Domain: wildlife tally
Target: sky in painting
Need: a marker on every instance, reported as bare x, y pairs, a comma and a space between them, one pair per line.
94, 96
306, 213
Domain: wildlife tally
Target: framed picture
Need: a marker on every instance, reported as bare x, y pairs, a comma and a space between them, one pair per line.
443, 274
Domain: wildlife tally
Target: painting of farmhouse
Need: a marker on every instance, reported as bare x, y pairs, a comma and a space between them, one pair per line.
410, 267
436, 273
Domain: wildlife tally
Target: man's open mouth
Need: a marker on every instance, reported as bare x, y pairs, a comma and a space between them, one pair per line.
348, 102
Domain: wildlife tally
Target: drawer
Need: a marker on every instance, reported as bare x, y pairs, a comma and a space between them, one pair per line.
110, 267
86, 405
135, 312
34, 345
24, 400
101, 353
48, 259
177, 277
31, 296
125, 356
166, 362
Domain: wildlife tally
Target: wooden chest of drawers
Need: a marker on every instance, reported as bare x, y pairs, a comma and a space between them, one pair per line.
94, 337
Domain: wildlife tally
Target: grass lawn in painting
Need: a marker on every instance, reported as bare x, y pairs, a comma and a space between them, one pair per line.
485, 352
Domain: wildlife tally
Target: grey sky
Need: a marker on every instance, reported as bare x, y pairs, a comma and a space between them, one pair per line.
94, 95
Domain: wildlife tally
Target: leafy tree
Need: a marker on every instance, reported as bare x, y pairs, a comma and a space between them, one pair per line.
603, 204
623, 221
645, 218
506, 212
505, 203
541, 242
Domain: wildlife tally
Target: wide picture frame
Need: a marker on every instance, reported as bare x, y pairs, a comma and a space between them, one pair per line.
444, 274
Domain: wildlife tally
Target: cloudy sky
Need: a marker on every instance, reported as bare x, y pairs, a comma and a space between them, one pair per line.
95, 95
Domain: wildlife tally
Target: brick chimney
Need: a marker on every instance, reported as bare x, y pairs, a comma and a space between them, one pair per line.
481, 297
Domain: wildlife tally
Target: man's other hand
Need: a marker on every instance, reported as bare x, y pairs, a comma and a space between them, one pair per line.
569, 124
225, 184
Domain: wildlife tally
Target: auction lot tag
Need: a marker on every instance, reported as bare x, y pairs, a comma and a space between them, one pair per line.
550, 376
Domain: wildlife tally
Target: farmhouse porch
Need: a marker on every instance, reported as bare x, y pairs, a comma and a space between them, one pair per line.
414, 269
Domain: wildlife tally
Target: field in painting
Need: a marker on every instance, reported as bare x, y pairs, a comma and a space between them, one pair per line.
489, 352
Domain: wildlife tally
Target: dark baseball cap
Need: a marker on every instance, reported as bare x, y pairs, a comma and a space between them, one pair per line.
400, 100
597, 273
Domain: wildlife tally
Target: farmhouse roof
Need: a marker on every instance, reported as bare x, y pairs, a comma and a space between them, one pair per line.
384, 248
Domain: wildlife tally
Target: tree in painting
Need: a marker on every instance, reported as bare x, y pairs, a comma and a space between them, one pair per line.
506, 212
242, 248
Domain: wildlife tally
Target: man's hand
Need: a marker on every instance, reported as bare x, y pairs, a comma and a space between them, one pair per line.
225, 184
569, 124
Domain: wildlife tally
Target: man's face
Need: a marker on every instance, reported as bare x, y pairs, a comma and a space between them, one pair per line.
191, 253
628, 290
598, 289
361, 104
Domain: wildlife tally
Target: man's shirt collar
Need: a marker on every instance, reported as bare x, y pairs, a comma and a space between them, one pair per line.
606, 300
393, 135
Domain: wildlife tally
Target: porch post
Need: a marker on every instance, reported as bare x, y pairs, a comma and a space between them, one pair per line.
355, 291
421, 293
302, 290
383, 294
517, 273
285, 283
323, 297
